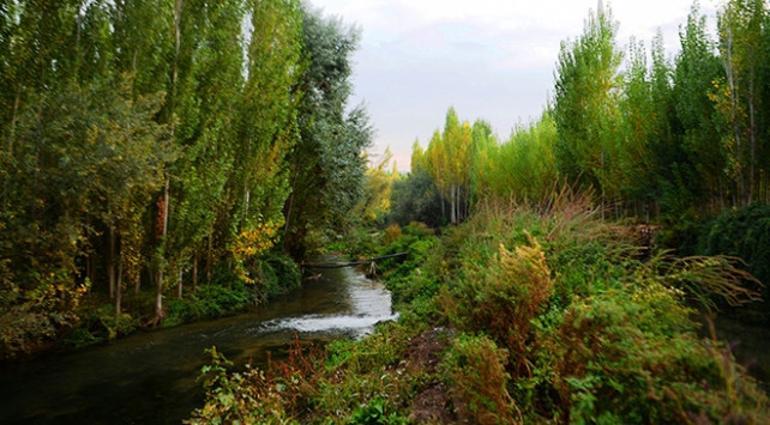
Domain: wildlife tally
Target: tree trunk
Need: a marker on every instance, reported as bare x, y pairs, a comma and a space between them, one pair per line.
159, 298
443, 209
209, 259
92, 269
458, 201
12, 135
246, 202
457, 205
179, 284
729, 71
88, 266
289, 207
164, 231
138, 283
119, 288
195, 272
752, 139
111, 263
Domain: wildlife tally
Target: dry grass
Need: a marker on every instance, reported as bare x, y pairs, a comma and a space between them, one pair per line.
706, 278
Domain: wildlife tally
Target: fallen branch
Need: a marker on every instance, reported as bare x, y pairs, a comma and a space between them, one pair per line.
351, 263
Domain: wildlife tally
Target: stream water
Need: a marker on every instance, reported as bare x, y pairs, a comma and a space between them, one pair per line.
750, 344
150, 378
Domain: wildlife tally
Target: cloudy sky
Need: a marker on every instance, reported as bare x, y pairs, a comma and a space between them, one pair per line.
492, 59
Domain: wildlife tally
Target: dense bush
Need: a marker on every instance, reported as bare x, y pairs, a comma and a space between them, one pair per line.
209, 301
34, 319
275, 274
505, 298
101, 324
280, 275
560, 320
475, 370
743, 233
376, 413
416, 198
404, 277
623, 357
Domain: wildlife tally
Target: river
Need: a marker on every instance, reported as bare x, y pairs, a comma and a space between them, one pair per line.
150, 378
750, 344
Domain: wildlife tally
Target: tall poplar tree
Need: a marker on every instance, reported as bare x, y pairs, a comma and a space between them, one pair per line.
585, 104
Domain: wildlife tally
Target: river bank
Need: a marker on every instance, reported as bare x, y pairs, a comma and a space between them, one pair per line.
517, 316
93, 320
151, 378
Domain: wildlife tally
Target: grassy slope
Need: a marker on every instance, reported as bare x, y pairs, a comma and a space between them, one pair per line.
518, 316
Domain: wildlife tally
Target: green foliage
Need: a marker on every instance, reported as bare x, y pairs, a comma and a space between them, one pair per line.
563, 323
210, 301
743, 233
101, 324
327, 166
475, 369
375, 413
586, 104
244, 397
449, 161
415, 198
83, 157
33, 318
523, 168
287, 274
503, 298
406, 278
693, 168
150, 142
376, 200
636, 359
653, 138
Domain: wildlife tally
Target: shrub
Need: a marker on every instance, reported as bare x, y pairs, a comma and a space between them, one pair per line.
474, 370
584, 328
633, 358
33, 319
279, 275
743, 233
209, 301
376, 412
255, 396
503, 298
392, 233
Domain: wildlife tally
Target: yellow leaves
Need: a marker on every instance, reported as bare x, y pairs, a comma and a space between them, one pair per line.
256, 241
392, 233
378, 188
252, 243
448, 157
527, 266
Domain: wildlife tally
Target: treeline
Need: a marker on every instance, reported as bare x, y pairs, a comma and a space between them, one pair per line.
158, 144
651, 136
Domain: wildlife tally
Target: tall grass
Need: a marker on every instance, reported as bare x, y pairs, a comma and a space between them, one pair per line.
540, 312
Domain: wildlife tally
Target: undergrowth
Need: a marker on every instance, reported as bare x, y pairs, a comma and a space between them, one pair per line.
543, 314
273, 275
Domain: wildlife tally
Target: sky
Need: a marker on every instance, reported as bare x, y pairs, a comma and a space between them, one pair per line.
490, 59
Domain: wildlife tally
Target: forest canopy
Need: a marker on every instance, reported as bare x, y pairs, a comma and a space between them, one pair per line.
149, 144
651, 135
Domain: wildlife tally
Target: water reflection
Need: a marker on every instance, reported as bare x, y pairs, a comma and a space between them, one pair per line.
151, 378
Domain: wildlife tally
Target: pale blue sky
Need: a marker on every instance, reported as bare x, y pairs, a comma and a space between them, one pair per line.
489, 58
